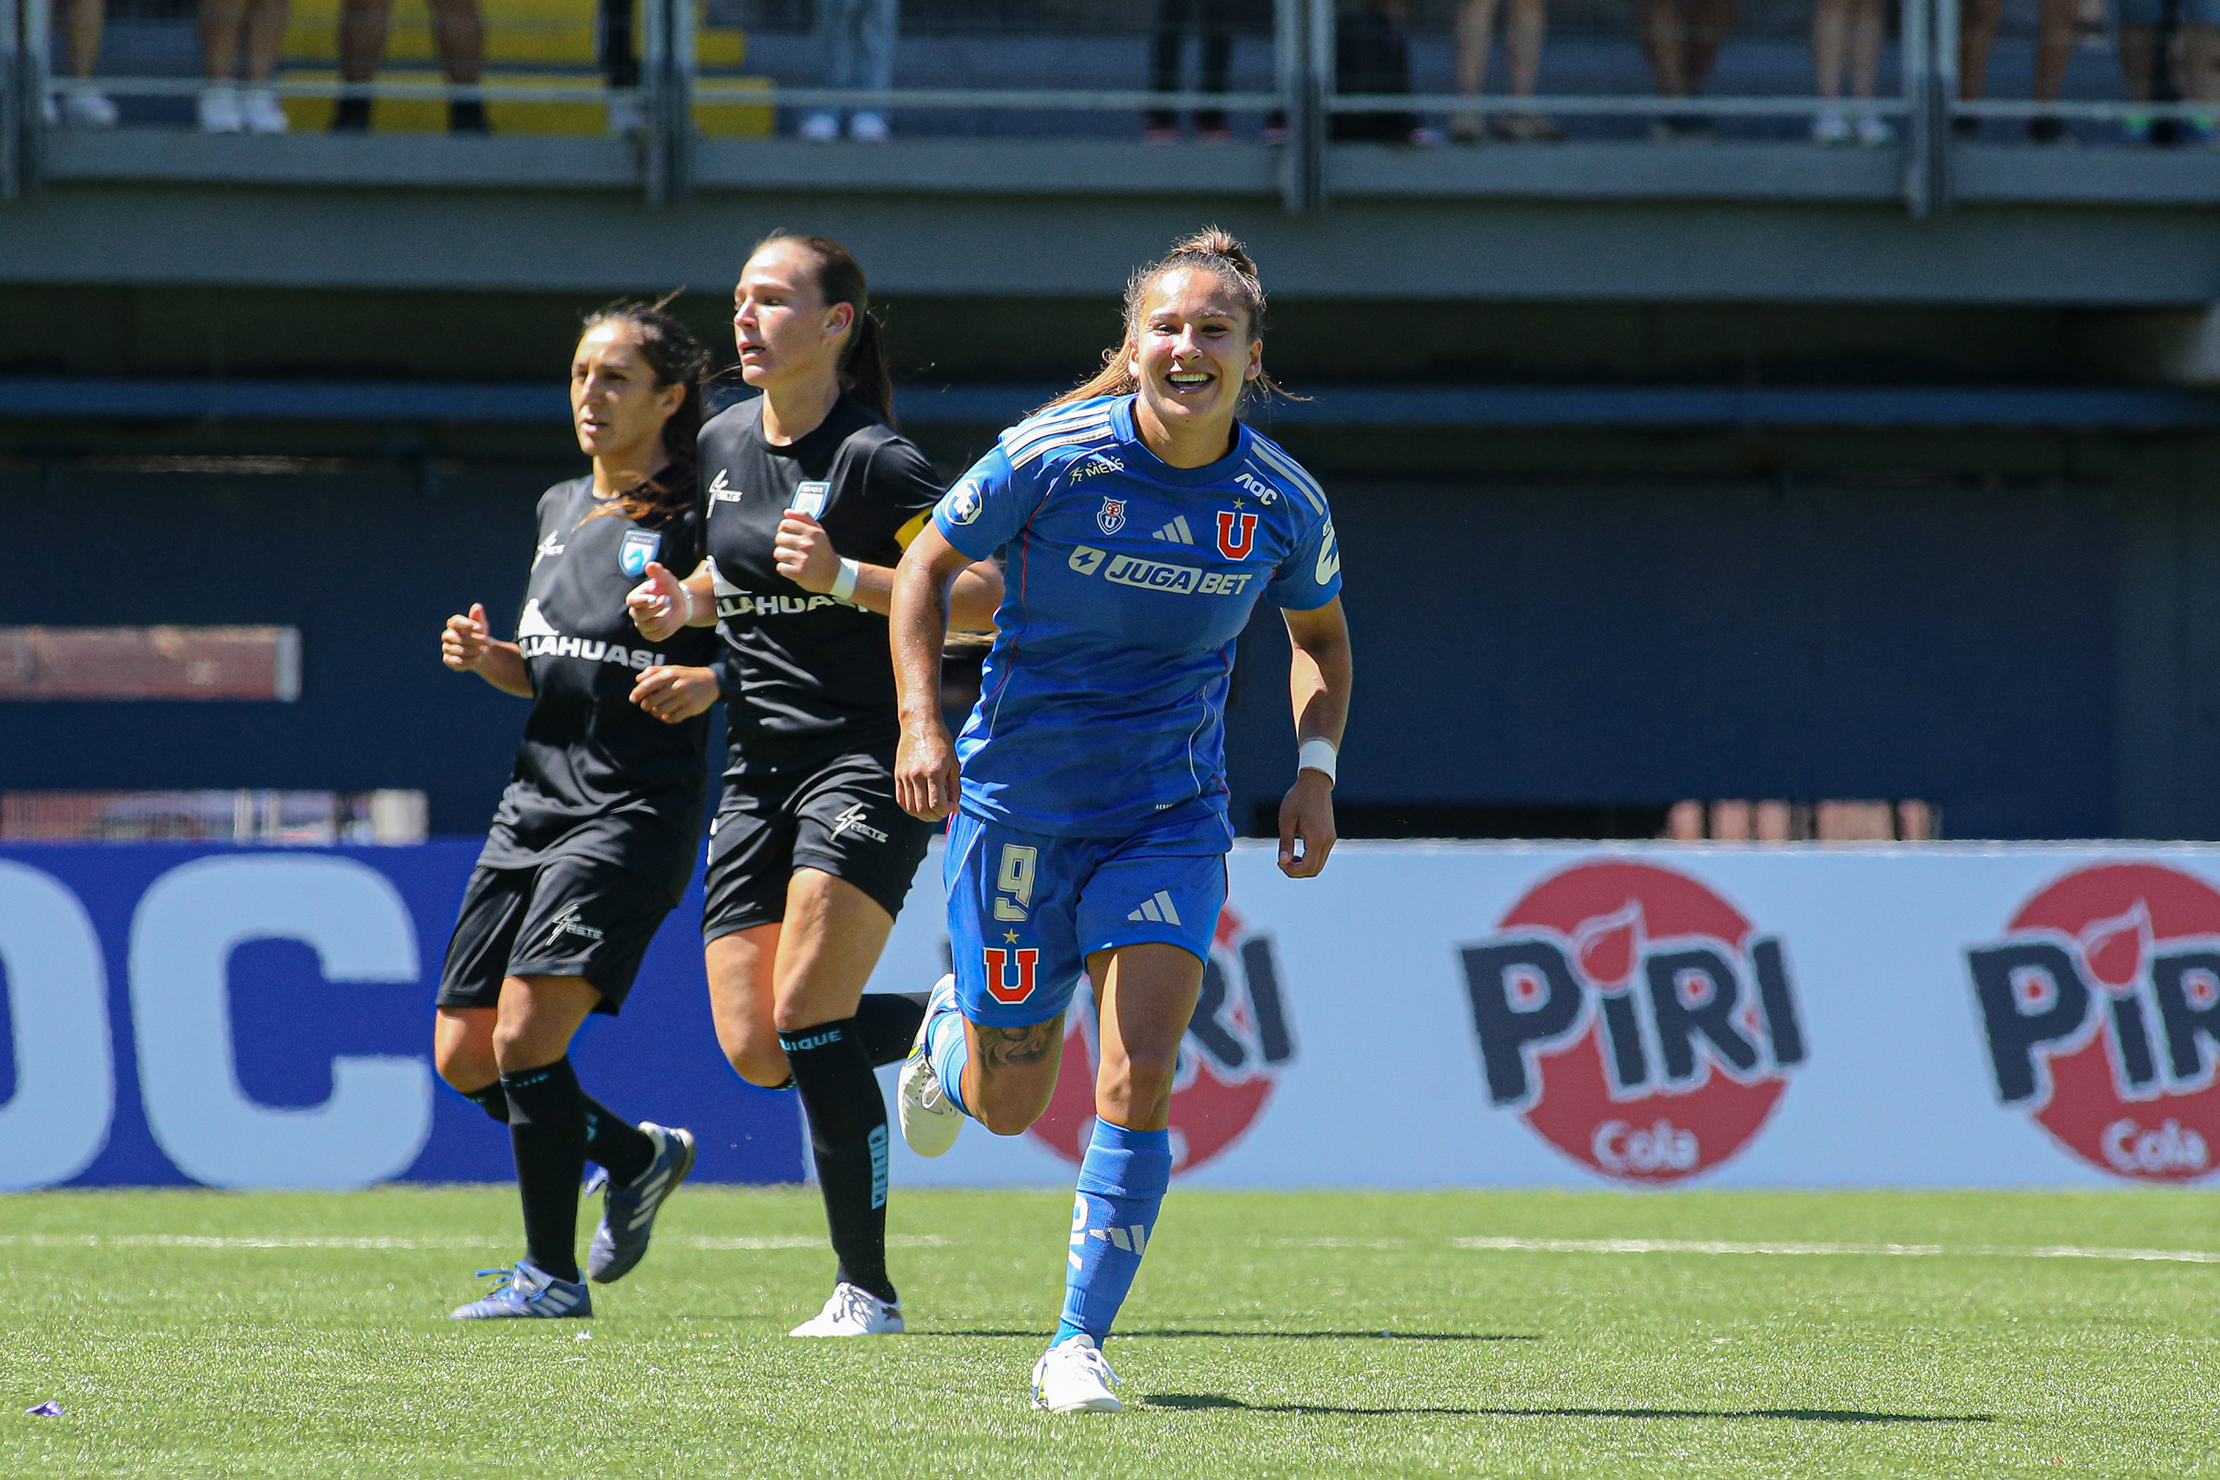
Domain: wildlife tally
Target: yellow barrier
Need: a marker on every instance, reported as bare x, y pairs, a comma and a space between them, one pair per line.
529, 43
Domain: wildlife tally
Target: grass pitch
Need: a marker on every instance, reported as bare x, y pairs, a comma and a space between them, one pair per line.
1705, 1334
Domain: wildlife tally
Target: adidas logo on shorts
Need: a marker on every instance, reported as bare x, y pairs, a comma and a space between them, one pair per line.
1157, 907
1176, 531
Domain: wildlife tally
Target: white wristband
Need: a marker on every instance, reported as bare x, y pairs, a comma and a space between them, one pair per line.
686, 593
844, 584
1317, 755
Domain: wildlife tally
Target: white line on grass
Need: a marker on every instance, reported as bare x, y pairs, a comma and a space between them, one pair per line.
197, 1241
1913, 1251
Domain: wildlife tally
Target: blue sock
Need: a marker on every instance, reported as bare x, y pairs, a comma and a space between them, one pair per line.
949, 1047
1121, 1185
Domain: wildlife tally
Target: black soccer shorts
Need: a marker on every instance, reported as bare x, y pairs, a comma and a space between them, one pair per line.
828, 807
568, 917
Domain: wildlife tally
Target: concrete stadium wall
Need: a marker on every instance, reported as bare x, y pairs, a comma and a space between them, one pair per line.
1602, 641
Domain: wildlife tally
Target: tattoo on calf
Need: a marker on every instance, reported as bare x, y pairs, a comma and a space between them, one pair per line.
1027, 1045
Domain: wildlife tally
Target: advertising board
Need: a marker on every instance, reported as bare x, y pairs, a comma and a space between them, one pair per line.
1423, 1015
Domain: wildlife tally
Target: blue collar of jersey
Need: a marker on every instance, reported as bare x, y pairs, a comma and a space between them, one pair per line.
1121, 417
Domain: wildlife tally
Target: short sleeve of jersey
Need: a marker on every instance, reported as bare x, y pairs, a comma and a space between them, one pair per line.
903, 482
1310, 576
987, 507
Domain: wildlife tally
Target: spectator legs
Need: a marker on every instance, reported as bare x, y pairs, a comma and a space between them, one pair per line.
1977, 23
1213, 22
1682, 39
620, 64
1165, 47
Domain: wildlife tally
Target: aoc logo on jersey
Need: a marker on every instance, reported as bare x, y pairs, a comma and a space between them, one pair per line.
1236, 534
1111, 516
639, 547
1635, 1019
1236, 1045
2101, 1006
963, 503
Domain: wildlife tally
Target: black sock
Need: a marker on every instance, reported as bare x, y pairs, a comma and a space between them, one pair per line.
887, 1023
547, 1130
613, 1143
848, 1135
493, 1099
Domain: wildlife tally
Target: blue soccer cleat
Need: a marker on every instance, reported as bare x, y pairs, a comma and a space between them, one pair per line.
628, 1212
529, 1292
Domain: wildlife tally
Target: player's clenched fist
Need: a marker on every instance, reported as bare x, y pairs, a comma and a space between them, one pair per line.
659, 605
465, 641
925, 772
675, 694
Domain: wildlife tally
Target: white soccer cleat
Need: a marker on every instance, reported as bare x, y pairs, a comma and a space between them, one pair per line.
820, 128
853, 1312
869, 128
929, 1121
1073, 1378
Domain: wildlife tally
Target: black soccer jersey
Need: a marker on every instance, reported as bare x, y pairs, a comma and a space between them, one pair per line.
803, 665
597, 776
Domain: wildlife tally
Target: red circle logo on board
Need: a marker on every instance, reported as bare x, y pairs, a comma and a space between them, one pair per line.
2101, 1007
1236, 1044
1635, 1020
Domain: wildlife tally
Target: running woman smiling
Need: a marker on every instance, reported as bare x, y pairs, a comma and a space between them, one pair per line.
595, 837
811, 855
1142, 523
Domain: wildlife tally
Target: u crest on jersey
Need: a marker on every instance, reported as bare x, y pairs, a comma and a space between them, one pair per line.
1111, 516
1236, 534
1026, 960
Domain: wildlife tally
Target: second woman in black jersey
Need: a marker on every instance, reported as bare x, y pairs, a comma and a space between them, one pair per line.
809, 496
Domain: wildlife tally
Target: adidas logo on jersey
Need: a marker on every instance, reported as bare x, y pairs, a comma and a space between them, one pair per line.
536, 637
1157, 907
1176, 531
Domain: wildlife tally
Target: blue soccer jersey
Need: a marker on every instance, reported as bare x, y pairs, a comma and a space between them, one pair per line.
1102, 704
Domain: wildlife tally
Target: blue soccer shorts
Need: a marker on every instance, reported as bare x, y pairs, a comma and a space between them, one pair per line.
1026, 910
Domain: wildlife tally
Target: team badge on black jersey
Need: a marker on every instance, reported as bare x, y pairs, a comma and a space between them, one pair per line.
1111, 516
639, 547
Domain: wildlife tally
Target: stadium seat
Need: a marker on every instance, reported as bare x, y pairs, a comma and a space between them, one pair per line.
529, 43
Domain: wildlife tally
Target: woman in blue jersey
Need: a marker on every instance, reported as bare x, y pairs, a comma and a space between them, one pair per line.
1141, 522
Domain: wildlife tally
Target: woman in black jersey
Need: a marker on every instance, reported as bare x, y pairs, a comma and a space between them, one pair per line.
595, 837
810, 499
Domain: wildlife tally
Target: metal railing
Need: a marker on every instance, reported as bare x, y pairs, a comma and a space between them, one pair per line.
1302, 106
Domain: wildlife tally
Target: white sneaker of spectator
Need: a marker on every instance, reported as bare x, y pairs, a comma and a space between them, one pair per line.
88, 107
869, 128
219, 110
1830, 127
820, 128
625, 114
1875, 132
259, 107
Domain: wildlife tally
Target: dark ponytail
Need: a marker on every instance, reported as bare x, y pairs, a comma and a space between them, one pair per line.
863, 366
677, 358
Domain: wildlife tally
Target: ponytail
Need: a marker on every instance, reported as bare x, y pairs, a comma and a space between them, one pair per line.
863, 363
677, 358
1208, 250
